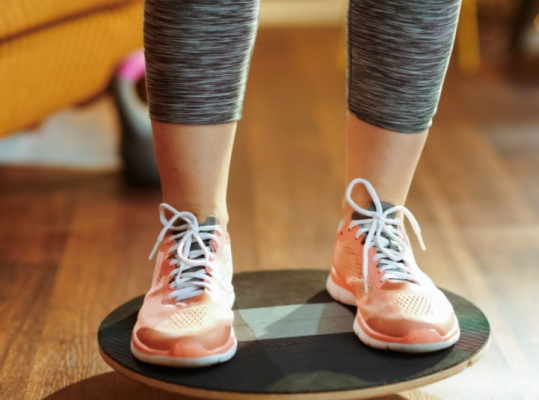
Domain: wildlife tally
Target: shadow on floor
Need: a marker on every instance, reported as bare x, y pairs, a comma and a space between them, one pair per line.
111, 386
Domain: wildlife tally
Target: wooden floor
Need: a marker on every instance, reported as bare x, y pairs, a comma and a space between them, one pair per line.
73, 245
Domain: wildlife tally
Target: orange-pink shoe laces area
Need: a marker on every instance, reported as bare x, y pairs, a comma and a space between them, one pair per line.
190, 276
381, 230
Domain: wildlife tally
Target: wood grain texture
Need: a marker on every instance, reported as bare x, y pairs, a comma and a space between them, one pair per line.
73, 246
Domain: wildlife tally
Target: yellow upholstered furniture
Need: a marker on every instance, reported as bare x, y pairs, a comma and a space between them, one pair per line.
56, 53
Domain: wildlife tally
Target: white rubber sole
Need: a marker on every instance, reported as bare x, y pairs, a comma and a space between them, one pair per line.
184, 362
346, 297
340, 294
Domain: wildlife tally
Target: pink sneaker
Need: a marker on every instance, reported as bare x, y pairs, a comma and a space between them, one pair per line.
398, 306
186, 318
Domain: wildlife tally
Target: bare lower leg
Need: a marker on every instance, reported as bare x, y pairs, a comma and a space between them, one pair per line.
193, 162
385, 158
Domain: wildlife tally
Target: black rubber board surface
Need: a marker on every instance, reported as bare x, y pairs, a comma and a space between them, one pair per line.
316, 363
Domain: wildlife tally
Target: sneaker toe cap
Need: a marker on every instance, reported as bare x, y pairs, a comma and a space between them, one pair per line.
179, 344
418, 330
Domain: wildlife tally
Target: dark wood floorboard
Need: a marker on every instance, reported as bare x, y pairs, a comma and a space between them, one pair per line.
74, 245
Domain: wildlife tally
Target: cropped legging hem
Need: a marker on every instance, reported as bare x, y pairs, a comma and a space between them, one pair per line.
198, 55
194, 120
394, 127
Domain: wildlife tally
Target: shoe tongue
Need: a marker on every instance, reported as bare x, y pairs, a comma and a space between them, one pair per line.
211, 220
372, 207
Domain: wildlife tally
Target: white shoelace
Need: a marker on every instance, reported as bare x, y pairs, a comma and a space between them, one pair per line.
190, 276
382, 231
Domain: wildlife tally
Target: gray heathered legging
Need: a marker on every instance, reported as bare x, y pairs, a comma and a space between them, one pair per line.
198, 54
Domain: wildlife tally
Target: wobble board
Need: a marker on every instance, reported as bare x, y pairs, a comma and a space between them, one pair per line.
296, 342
